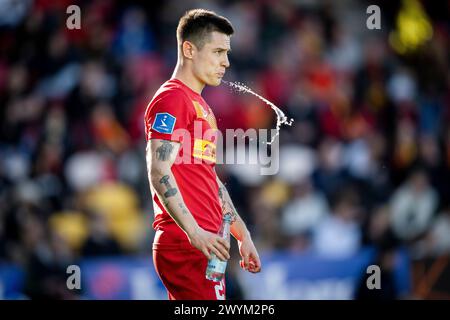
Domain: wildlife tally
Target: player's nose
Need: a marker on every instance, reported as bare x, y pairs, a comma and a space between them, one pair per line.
225, 62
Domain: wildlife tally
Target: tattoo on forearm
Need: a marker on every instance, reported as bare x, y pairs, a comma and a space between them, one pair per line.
183, 208
227, 206
164, 151
166, 205
234, 215
170, 191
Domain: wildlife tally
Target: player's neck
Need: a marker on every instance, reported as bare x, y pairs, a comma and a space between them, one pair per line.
188, 79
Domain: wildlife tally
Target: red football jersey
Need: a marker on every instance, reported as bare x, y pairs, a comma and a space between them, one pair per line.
177, 113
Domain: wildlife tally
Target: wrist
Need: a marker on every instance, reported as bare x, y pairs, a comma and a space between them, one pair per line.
192, 230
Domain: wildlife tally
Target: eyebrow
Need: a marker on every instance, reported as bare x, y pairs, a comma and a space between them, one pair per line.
222, 49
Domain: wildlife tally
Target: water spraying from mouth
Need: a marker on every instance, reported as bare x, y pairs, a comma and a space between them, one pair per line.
281, 117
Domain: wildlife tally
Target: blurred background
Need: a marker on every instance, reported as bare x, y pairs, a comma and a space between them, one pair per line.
364, 171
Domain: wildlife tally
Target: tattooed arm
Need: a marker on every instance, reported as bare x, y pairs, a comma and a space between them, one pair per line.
250, 258
160, 156
238, 227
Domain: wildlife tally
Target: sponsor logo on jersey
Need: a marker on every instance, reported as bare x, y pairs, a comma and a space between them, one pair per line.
204, 149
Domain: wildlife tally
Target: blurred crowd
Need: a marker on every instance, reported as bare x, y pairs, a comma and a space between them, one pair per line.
367, 161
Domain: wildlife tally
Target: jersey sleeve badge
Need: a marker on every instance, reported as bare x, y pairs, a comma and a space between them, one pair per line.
164, 123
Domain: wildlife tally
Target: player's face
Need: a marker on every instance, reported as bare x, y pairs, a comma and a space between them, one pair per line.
212, 60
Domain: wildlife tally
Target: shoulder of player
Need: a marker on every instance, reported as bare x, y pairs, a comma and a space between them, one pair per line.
174, 95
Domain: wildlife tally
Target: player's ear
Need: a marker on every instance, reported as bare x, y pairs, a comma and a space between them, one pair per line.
188, 49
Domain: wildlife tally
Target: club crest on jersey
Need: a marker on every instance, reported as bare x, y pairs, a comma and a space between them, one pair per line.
164, 123
201, 112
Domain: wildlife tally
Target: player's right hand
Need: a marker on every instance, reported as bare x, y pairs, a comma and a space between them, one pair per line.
208, 242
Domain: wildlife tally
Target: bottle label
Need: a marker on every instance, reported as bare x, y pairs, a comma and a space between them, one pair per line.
217, 265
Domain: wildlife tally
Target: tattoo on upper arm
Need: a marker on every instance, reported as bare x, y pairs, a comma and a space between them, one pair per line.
170, 191
164, 151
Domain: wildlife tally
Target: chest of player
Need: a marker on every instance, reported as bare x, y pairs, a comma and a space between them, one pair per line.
203, 134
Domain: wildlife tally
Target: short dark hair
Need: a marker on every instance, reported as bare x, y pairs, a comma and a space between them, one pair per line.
196, 25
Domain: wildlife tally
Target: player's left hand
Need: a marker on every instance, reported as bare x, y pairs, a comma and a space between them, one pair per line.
250, 259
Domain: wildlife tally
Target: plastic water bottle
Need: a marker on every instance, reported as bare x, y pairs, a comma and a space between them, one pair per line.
216, 267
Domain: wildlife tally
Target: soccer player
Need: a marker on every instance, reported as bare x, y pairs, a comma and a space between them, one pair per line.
189, 200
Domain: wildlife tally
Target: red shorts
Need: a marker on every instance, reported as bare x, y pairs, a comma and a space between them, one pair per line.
182, 271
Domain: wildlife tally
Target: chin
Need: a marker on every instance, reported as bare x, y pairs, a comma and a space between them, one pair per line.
212, 81
215, 83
